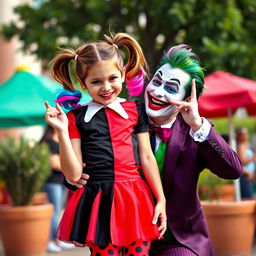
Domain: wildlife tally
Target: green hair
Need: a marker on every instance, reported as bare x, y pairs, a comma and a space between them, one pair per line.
181, 57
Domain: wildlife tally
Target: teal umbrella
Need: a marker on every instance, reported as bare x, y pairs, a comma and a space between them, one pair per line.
22, 99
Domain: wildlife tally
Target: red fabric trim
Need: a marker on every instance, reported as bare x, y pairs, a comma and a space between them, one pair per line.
132, 213
94, 218
67, 220
120, 132
72, 128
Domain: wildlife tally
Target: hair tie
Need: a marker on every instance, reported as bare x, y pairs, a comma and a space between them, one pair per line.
115, 46
69, 100
76, 56
135, 85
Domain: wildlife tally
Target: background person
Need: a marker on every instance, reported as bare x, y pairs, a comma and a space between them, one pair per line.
54, 188
248, 158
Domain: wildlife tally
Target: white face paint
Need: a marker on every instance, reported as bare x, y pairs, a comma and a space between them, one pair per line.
167, 84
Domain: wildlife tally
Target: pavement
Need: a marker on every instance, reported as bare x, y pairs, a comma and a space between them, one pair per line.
76, 251
85, 252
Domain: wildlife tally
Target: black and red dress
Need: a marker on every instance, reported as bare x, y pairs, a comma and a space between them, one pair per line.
116, 205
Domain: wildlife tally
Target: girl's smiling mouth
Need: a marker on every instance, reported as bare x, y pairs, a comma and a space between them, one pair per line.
107, 96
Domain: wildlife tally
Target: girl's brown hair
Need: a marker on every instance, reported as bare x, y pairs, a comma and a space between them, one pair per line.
93, 52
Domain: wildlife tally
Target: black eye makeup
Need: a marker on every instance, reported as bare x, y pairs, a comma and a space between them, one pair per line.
156, 82
171, 86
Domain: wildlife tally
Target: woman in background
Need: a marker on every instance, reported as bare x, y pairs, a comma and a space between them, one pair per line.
248, 158
55, 189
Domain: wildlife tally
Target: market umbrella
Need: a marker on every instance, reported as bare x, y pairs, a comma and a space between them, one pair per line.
22, 99
227, 91
224, 94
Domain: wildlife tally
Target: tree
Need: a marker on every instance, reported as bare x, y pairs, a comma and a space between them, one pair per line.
220, 32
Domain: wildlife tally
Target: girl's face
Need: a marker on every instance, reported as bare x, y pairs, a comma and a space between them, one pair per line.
167, 84
104, 81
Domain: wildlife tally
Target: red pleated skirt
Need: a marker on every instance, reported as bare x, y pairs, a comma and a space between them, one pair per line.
118, 212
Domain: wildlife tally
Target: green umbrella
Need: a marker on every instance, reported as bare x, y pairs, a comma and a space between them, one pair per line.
22, 99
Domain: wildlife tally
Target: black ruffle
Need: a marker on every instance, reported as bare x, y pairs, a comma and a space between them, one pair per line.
84, 211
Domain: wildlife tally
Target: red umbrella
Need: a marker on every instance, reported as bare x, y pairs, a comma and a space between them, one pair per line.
224, 94
227, 91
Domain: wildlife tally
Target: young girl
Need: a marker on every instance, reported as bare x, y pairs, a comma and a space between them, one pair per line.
114, 213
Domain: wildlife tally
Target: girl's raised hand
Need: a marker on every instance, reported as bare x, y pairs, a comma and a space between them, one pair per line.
189, 109
160, 215
56, 117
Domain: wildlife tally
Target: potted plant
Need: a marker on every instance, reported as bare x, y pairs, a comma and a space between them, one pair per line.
231, 223
24, 228
212, 187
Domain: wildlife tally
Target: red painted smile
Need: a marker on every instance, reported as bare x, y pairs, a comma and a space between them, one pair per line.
156, 104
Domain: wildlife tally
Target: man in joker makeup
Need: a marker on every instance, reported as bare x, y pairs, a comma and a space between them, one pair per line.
184, 145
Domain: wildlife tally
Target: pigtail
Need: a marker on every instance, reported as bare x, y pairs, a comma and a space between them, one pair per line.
135, 85
60, 69
136, 67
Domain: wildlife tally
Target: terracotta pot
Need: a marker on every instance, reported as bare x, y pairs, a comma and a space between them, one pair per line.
231, 226
25, 229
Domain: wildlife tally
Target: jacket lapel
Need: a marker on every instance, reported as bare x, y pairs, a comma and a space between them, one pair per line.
173, 150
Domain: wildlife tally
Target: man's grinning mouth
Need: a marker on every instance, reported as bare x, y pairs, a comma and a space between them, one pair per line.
157, 102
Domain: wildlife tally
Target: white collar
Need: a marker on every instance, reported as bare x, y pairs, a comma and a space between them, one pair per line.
94, 107
168, 125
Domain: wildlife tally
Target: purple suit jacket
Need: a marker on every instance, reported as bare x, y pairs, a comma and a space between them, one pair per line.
184, 161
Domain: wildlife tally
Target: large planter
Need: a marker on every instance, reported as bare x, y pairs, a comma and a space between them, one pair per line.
25, 229
231, 225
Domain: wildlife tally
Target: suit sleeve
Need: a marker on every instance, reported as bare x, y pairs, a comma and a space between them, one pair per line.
219, 157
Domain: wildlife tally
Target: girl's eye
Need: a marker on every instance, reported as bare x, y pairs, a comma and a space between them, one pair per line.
95, 82
113, 78
170, 89
156, 82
